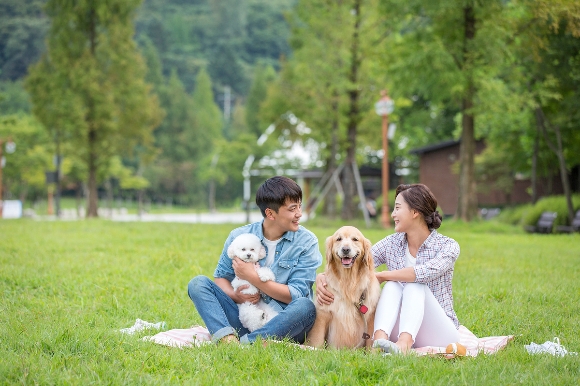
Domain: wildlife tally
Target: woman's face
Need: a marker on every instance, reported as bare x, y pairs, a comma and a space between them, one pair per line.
402, 215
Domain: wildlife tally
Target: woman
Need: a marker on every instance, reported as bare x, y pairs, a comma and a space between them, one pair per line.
416, 304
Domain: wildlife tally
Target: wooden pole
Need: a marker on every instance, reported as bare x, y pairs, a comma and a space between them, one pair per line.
361, 194
50, 201
1, 202
385, 218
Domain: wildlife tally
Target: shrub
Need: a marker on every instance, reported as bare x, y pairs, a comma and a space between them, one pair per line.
514, 215
550, 204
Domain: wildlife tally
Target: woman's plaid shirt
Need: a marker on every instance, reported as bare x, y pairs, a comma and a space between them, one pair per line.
435, 262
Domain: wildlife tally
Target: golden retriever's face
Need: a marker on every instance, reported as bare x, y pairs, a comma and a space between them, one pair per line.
347, 245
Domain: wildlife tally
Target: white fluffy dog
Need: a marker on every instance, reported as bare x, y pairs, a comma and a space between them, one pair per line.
249, 249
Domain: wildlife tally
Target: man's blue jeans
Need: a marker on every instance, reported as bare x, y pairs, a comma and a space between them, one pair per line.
220, 314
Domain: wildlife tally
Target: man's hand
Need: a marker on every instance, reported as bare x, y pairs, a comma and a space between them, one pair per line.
243, 270
240, 297
323, 296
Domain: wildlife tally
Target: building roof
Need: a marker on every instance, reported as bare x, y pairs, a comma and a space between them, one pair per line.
437, 146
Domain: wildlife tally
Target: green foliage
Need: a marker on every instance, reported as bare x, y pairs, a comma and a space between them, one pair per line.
23, 28
13, 98
228, 37
179, 118
23, 174
68, 287
127, 179
493, 171
550, 204
263, 76
90, 89
206, 117
329, 82
154, 67
514, 215
187, 138
523, 59
529, 214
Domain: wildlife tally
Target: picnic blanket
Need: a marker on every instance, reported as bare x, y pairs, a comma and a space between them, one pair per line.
472, 343
198, 335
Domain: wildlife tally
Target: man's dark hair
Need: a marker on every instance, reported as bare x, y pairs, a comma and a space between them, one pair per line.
274, 193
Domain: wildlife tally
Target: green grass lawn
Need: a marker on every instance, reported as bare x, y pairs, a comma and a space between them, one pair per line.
68, 287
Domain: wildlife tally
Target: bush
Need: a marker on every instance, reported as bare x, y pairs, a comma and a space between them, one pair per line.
550, 204
514, 215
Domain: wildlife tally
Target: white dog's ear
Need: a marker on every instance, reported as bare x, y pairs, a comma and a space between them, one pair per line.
262, 252
231, 252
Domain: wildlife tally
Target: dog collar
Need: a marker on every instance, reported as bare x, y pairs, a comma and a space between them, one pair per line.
363, 310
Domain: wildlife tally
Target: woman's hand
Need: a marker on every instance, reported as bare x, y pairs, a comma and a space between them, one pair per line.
381, 276
323, 296
405, 275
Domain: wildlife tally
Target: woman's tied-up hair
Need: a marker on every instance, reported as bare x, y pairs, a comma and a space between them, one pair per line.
420, 198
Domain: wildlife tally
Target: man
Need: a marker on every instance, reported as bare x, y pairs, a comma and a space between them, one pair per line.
293, 256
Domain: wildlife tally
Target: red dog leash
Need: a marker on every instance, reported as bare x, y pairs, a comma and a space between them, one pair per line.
363, 310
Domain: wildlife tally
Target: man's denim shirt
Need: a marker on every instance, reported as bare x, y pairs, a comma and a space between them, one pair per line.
295, 263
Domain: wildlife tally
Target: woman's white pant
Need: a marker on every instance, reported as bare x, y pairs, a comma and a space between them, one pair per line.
413, 309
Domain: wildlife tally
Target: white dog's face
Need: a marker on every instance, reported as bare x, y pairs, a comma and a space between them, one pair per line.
247, 247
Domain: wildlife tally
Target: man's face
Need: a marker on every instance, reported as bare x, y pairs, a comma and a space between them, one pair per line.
288, 216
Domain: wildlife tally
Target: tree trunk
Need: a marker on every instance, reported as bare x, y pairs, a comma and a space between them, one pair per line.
329, 208
23, 194
93, 201
211, 193
535, 167
211, 196
140, 202
467, 205
109, 188
558, 150
78, 198
349, 184
564, 174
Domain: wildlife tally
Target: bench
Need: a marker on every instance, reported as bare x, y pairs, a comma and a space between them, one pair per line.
545, 223
489, 213
574, 227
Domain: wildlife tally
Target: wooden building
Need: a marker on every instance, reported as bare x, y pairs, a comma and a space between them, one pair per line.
436, 171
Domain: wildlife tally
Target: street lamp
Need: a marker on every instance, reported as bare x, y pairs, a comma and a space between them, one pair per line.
384, 107
10, 148
247, 170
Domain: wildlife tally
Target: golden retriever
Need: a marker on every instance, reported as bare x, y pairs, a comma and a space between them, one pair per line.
348, 321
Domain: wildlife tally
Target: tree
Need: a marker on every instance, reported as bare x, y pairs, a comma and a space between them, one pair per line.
448, 52
327, 82
22, 31
23, 175
186, 139
174, 165
208, 132
535, 114
13, 98
555, 81
262, 77
91, 83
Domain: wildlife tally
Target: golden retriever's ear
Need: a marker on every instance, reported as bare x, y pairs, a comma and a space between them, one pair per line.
368, 253
329, 247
